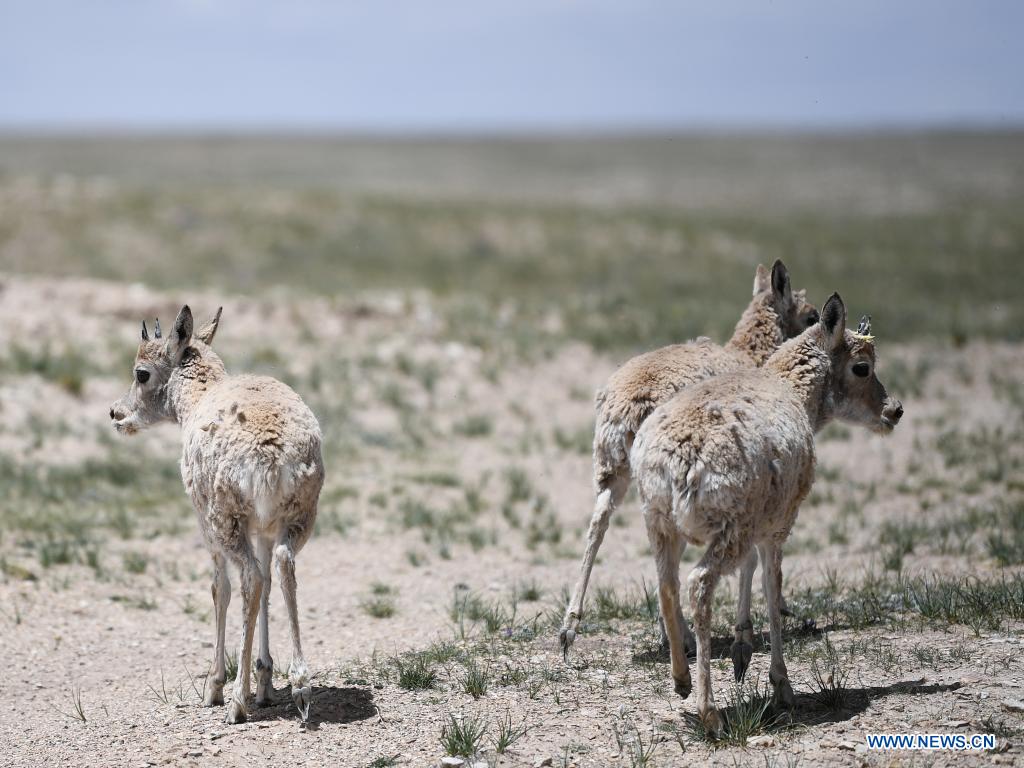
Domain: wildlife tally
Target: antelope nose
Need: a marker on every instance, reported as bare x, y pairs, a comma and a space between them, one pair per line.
115, 415
895, 411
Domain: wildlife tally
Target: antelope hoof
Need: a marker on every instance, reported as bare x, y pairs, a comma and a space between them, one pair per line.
264, 684
236, 713
214, 695
783, 698
742, 652
264, 695
683, 687
566, 637
713, 724
303, 698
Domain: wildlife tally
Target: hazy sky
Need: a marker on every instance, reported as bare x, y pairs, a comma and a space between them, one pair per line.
514, 64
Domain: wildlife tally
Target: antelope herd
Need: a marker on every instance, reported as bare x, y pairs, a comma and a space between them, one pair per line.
719, 441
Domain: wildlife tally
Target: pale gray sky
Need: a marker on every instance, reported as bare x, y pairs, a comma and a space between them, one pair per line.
508, 64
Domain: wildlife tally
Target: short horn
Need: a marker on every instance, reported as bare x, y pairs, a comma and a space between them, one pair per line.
156, 325
145, 333
864, 329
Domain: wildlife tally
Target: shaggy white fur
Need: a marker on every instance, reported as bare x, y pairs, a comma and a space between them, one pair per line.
252, 465
775, 313
726, 464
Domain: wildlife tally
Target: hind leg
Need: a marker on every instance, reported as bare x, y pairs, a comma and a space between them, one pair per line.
667, 548
251, 584
689, 643
771, 560
298, 672
221, 590
783, 606
264, 662
743, 645
611, 482
720, 557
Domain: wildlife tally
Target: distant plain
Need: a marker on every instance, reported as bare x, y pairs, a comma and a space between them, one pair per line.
448, 307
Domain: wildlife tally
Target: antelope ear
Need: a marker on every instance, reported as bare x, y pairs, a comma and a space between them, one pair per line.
181, 334
833, 321
208, 331
780, 283
762, 279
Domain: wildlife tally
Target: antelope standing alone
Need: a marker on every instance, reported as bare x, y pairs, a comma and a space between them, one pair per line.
251, 464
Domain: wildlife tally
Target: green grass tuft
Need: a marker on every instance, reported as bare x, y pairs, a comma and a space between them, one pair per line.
462, 737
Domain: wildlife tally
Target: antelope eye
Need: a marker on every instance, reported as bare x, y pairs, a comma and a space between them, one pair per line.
861, 369
142, 375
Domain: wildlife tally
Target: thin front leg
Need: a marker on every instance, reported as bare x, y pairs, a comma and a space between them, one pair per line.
251, 584
298, 673
611, 485
743, 644
771, 560
264, 662
221, 590
783, 605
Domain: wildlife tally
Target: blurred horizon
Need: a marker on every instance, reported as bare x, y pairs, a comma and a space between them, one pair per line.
223, 67
496, 134
603, 164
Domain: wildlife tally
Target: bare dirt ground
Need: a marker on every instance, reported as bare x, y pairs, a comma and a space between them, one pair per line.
457, 498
